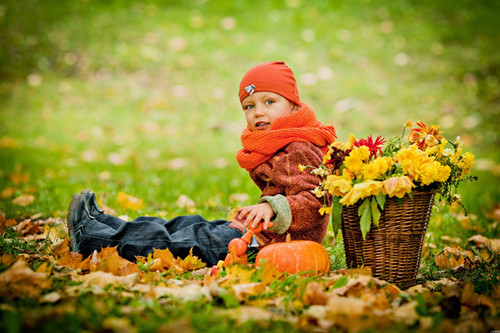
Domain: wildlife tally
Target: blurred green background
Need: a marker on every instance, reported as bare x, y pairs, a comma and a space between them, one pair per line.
141, 96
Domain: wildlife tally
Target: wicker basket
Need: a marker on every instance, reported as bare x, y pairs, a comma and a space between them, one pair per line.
393, 249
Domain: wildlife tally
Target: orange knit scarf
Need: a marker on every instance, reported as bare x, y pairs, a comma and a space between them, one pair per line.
302, 125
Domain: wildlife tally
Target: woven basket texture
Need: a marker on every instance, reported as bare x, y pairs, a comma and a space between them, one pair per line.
393, 249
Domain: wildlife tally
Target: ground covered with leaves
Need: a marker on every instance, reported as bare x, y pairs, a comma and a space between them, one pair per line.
44, 286
137, 101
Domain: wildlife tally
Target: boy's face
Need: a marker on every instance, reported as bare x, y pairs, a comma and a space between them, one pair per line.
263, 108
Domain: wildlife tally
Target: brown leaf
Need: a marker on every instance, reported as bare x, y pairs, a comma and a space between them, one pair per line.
491, 244
21, 281
24, 200
315, 294
28, 227
454, 256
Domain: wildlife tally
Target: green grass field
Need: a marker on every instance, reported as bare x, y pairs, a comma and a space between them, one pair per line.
141, 98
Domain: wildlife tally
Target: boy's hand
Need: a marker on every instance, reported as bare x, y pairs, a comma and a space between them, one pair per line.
254, 214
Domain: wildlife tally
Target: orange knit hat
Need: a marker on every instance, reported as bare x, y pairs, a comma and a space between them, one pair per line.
272, 76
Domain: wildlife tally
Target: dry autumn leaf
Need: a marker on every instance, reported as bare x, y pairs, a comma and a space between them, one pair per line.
126, 201
24, 200
491, 244
21, 281
185, 202
108, 260
18, 178
453, 257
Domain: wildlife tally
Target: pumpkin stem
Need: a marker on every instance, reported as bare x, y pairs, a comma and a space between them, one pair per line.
288, 238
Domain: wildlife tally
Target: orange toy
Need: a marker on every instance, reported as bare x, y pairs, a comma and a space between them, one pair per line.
238, 247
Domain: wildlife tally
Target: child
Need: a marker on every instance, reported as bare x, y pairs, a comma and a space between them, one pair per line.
282, 133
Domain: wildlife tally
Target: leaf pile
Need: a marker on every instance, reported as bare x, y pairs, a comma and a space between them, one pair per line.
47, 283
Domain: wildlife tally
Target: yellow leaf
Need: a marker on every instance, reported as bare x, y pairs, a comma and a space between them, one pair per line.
236, 274
108, 260
129, 202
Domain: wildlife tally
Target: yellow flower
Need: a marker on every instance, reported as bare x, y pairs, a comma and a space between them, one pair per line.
434, 172
352, 139
302, 167
361, 191
397, 186
376, 168
412, 161
355, 161
325, 210
466, 163
408, 124
327, 156
318, 192
337, 185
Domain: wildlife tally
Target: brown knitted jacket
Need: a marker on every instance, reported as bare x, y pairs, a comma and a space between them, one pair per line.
288, 191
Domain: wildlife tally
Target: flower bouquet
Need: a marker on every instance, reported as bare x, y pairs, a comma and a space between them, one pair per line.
390, 186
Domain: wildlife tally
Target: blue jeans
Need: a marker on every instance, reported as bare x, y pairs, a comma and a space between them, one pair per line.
208, 239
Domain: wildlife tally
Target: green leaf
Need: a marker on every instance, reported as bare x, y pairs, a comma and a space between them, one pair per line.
375, 212
340, 282
366, 218
363, 206
336, 215
381, 200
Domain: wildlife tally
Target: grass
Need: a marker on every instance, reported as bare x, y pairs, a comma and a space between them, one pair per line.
142, 98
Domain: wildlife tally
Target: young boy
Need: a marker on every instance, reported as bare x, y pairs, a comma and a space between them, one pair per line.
282, 132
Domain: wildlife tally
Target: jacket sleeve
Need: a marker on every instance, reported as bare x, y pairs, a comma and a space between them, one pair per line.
296, 207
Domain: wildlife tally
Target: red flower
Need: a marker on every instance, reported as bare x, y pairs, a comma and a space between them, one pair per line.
375, 147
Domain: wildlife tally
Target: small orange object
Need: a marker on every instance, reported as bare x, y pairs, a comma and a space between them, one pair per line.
238, 246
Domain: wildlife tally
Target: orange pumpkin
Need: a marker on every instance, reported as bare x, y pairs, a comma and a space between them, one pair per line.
295, 257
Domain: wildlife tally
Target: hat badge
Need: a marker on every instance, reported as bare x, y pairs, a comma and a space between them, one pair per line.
250, 89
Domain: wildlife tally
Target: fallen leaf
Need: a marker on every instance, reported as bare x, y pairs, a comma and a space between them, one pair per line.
24, 200
8, 192
491, 244
103, 279
244, 290
108, 260
18, 178
454, 256
21, 281
185, 202
8, 142
406, 313
315, 294
236, 274
126, 201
